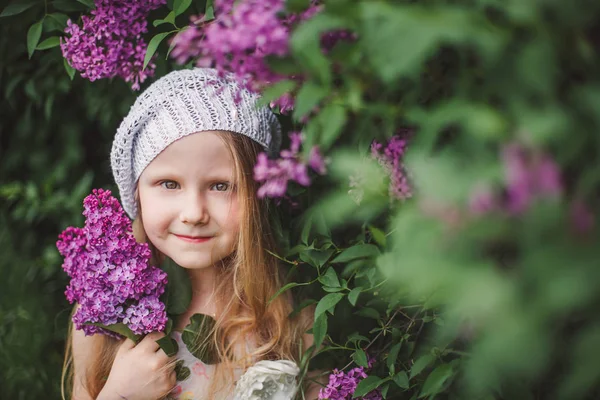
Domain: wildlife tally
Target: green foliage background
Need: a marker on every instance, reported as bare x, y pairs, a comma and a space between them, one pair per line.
487, 308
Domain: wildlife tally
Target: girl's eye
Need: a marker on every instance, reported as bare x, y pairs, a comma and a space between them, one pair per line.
221, 186
170, 185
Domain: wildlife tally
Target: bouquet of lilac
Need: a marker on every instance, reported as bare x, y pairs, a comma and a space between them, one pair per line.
111, 279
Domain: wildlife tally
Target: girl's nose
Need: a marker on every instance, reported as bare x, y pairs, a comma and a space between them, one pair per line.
194, 211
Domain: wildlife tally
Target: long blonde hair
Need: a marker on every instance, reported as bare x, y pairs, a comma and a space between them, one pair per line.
248, 279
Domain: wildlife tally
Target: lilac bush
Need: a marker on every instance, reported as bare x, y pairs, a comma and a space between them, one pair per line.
111, 279
275, 174
243, 36
109, 43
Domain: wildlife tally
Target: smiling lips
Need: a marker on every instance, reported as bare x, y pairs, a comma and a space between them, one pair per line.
194, 239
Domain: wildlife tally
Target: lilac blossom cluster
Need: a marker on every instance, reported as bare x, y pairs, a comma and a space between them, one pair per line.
109, 43
241, 38
342, 385
529, 175
390, 156
111, 279
275, 174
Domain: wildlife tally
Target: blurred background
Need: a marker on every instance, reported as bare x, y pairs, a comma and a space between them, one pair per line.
491, 271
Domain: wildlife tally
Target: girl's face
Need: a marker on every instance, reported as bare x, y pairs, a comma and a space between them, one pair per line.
189, 203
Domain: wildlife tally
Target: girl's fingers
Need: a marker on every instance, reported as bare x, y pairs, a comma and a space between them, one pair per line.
127, 344
149, 342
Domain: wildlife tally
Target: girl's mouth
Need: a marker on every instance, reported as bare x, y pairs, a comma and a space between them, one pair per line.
194, 239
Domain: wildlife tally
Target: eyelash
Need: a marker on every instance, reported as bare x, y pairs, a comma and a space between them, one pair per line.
227, 184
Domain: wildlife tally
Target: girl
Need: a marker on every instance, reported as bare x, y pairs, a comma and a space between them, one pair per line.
183, 162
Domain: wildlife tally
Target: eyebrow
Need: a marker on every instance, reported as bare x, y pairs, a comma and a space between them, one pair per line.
218, 173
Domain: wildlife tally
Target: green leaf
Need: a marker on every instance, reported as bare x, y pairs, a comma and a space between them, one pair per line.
363, 250
328, 303
180, 6
68, 6
398, 39
360, 357
49, 43
401, 379
392, 357
87, 3
153, 46
55, 22
329, 289
353, 295
119, 328
435, 381
274, 92
355, 337
170, 18
421, 363
368, 312
158, 22
318, 258
330, 278
197, 338
181, 372
285, 288
378, 235
179, 288
302, 306
306, 228
306, 46
17, 7
209, 13
367, 385
169, 345
33, 37
169, 326
319, 330
309, 96
70, 70
331, 120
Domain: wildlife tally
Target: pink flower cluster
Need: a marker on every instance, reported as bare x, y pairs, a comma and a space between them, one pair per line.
241, 38
111, 279
275, 174
109, 43
342, 386
390, 157
529, 175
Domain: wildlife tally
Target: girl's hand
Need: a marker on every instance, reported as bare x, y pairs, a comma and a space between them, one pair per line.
140, 372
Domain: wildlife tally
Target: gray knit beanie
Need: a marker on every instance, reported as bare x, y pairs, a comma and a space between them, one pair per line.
179, 104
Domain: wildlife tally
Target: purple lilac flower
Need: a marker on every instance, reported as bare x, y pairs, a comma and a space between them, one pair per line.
275, 174
342, 385
242, 37
238, 40
390, 157
528, 175
111, 278
109, 43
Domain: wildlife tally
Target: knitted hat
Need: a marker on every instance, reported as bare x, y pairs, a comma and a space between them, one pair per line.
179, 104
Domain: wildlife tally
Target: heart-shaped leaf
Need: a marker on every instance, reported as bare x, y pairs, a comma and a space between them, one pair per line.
197, 338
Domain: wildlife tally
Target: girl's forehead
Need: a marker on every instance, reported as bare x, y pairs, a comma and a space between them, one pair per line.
204, 152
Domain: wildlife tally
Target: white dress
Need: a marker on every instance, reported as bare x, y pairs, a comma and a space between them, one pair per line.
265, 380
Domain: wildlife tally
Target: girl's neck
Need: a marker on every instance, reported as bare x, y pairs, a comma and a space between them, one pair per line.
204, 283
